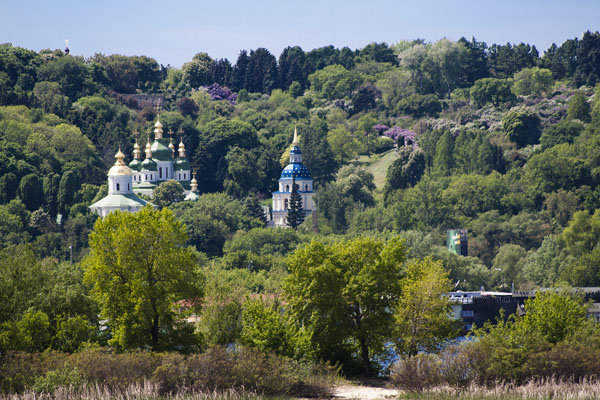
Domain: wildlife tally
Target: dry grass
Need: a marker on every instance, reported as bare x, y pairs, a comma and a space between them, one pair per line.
554, 389
145, 391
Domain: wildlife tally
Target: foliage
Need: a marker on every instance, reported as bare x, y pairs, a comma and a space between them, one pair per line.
491, 90
139, 267
579, 108
536, 81
295, 214
423, 313
168, 193
522, 127
343, 294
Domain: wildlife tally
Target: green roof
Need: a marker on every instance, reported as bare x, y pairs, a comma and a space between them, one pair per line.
148, 165
119, 201
182, 164
161, 151
135, 164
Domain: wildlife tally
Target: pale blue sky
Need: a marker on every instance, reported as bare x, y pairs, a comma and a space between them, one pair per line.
172, 32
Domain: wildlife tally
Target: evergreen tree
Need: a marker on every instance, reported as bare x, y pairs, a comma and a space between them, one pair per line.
579, 108
295, 215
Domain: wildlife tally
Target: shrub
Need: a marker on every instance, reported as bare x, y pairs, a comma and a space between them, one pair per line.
417, 373
383, 144
53, 380
419, 105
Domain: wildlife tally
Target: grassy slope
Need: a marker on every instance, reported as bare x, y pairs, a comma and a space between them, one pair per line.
378, 165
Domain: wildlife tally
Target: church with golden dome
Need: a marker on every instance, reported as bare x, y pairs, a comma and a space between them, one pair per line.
160, 164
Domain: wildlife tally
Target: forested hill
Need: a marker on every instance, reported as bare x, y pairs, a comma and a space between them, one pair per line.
501, 140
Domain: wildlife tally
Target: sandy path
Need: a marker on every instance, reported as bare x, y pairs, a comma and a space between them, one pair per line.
364, 392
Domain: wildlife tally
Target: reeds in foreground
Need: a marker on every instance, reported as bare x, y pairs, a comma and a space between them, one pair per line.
550, 388
146, 391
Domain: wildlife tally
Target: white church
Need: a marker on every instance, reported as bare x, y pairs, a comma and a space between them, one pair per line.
295, 170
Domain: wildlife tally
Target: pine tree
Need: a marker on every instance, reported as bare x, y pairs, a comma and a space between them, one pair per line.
295, 215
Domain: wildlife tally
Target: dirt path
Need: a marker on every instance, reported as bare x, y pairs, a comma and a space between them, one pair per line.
364, 392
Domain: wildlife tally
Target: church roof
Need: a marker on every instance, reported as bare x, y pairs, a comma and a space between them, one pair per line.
120, 168
191, 196
182, 164
148, 165
295, 170
135, 164
161, 151
119, 200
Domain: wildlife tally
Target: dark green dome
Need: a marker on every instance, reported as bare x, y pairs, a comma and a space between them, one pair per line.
148, 165
135, 164
161, 151
182, 164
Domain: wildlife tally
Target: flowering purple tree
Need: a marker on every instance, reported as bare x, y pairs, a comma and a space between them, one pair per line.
403, 137
218, 92
380, 128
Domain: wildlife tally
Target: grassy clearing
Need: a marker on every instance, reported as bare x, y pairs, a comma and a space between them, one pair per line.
546, 389
378, 165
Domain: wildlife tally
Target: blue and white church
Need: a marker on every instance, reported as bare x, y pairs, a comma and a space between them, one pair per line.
295, 170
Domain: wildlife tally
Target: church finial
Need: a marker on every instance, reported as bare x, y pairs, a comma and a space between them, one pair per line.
120, 157
171, 145
158, 131
67, 46
136, 147
148, 148
295, 141
194, 183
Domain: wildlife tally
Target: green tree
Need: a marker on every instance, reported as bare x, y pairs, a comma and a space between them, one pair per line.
508, 265
406, 170
423, 313
562, 132
443, 163
491, 90
31, 191
554, 315
343, 144
532, 81
168, 193
66, 192
334, 82
522, 127
199, 71
139, 268
344, 294
295, 214
579, 108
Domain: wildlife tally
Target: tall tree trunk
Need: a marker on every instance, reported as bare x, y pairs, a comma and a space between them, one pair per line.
154, 328
364, 350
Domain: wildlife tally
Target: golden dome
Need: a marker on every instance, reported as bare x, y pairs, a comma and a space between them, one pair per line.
120, 168
172, 146
136, 150
194, 183
158, 131
148, 149
181, 149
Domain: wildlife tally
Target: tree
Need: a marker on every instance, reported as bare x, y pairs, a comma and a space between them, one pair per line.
554, 315
334, 82
491, 90
423, 313
66, 191
344, 294
522, 127
579, 108
406, 170
419, 105
168, 193
295, 214
139, 268
199, 71
343, 144
562, 132
532, 81
31, 191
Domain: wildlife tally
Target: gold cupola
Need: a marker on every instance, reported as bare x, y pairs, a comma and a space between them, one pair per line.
120, 168
148, 149
181, 149
295, 141
158, 129
136, 150
194, 184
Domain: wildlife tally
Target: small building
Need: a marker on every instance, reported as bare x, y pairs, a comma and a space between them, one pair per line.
295, 171
457, 241
120, 190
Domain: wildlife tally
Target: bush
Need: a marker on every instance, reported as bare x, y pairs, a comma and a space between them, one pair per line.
59, 378
417, 373
420, 105
383, 144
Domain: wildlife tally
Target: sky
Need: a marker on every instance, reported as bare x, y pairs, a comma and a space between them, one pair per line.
173, 31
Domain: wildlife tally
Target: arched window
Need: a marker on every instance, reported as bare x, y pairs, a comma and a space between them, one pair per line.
128, 187
118, 188
146, 177
287, 189
306, 188
285, 204
160, 173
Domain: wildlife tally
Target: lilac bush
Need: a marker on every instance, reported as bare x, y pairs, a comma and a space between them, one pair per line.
218, 92
403, 137
380, 128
